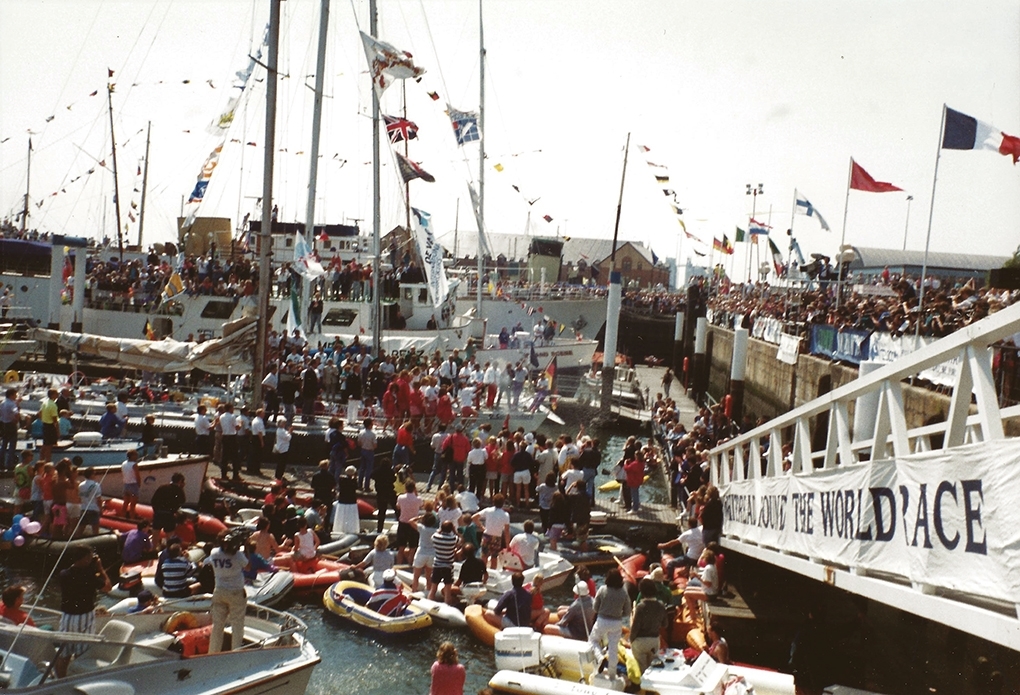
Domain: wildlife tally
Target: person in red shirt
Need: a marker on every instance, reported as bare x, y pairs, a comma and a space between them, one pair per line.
448, 674
404, 449
635, 470
403, 382
10, 605
460, 445
390, 406
444, 408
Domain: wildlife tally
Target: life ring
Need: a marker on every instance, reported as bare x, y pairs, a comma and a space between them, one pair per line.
10, 376
181, 620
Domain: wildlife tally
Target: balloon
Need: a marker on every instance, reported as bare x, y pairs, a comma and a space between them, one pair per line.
19, 541
16, 521
25, 521
33, 528
8, 535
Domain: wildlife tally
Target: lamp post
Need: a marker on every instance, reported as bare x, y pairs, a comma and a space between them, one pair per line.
906, 224
754, 191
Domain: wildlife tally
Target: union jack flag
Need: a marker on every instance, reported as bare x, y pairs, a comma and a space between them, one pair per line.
400, 129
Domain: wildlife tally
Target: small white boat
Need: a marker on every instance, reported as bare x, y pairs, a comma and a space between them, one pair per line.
136, 654
669, 674
552, 566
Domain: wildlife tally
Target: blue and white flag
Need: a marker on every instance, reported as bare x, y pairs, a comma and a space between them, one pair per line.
465, 125
305, 263
755, 227
804, 207
796, 249
432, 257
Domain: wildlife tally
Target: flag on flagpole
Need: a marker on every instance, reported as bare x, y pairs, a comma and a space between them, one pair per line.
533, 358
861, 180
727, 245
796, 249
465, 125
387, 64
777, 258
294, 314
804, 207
412, 170
741, 235
717, 245
305, 263
963, 132
755, 227
174, 286
400, 129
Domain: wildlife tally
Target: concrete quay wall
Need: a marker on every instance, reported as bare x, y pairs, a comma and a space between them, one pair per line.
772, 387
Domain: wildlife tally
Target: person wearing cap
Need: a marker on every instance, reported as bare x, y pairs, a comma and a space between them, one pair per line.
649, 621
577, 619
345, 508
662, 590
281, 447
78, 586
388, 599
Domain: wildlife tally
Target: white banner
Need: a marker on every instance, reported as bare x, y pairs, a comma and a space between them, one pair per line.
431, 257
884, 348
789, 348
948, 520
768, 329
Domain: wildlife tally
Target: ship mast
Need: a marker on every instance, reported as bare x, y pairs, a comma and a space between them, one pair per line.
481, 156
313, 170
116, 181
265, 231
28, 186
145, 186
373, 30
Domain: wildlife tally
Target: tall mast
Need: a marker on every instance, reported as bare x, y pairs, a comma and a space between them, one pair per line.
613, 308
116, 181
313, 168
373, 29
266, 232
145, 186
28, 186
481, 156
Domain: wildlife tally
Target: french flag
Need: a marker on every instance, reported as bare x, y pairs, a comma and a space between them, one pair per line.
963, 132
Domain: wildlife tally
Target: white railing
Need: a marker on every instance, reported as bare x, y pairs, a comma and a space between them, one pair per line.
949, 487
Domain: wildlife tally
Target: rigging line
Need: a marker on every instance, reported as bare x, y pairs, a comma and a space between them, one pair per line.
77, 58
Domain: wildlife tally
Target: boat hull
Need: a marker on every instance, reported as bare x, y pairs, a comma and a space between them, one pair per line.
338, 600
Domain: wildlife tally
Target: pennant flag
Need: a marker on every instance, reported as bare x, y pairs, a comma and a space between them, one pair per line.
727, 245
963, 132
861, 180
411, 170
400, 129
547, 218
387, 64
755, 227
201, 184
432, 257
465, 125
148, 332
741, 235
305, 263
777, 258
497, 166
174, 286
804, 207
434, 96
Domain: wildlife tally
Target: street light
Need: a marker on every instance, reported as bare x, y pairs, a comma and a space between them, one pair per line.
755, 191
906, 224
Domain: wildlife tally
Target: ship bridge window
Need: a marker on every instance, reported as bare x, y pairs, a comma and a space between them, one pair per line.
423, 296
217, 309
339, 317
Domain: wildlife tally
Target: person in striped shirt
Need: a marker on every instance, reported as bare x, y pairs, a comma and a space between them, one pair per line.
444, 543
176, 572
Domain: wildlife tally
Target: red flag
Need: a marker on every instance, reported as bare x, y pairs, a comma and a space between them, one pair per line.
1010, 146
861, 180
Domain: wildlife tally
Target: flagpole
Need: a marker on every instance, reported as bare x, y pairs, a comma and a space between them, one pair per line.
376, 312
789, 233
842, 238
927, 239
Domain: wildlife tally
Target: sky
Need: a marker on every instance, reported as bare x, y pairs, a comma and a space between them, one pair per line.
718, 94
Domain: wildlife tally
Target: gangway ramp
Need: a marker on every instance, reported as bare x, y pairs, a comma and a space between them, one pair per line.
924, 519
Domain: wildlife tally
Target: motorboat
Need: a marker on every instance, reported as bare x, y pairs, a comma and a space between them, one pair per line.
552, 566
348, 600
670, 674
145, 652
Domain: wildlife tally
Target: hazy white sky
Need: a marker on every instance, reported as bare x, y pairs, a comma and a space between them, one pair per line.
723, 94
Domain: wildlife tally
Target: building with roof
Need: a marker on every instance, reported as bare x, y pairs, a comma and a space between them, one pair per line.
869, 262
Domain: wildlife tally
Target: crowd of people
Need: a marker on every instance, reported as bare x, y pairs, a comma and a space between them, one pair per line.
889, 303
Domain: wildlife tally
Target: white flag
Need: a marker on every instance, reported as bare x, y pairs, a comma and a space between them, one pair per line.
305, 263
387, 64
432, 257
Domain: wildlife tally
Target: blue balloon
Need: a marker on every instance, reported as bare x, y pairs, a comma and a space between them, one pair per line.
16, 521
8, 535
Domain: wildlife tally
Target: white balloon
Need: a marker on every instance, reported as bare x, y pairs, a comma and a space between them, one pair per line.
19, 541
25, 521
33, 528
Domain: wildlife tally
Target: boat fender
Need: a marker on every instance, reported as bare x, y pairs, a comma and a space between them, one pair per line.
193, 641
181, 620
10, 376
728, 404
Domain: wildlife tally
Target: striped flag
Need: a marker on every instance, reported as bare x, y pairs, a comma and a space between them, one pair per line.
174, 286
